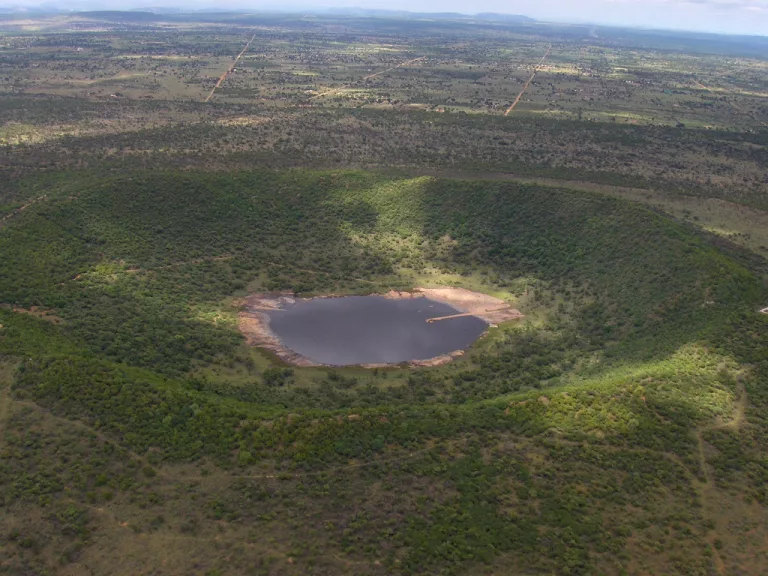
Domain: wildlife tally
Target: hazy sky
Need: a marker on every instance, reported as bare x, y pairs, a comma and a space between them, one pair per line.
731, 16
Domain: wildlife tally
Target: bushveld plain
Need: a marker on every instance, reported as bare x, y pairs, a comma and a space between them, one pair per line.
158, 169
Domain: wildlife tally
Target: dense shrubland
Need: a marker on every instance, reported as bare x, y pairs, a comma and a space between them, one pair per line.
526, 146
527, 453
620, 429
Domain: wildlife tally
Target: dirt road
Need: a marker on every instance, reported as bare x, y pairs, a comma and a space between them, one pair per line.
465, 314
5, 399
228, 72
22, 208
736, 107
535, 70
364, 78
708, 490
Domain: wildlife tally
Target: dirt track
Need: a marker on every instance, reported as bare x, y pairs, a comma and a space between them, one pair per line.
463, 315
736, 107
6, 371
468, 303
535, 70
231, 68
708, 490
364, 78
21, 209
5, 411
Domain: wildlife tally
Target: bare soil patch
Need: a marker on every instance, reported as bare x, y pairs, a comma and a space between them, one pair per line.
254, 323
491, 309
37, 312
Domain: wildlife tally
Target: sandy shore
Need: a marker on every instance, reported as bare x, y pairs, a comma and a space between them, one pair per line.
492, 310
254, 322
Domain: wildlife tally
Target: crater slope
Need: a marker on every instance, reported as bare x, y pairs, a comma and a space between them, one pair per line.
617, 428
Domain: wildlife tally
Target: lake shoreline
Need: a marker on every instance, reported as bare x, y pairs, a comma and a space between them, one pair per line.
254, 320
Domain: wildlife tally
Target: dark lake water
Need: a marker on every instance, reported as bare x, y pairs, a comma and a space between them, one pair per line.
372, 329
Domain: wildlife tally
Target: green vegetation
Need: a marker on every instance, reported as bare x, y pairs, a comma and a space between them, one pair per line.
528, 451
619, 429
677, 115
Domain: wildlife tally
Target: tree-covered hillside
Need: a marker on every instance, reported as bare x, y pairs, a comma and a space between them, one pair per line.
619, 429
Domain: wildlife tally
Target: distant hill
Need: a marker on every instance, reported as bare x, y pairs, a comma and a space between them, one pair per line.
148, 14
88, 9
491, 16
119, 15
515, 18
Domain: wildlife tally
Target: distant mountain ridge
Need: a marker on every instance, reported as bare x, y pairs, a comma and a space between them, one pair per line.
515, 18
94, 9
